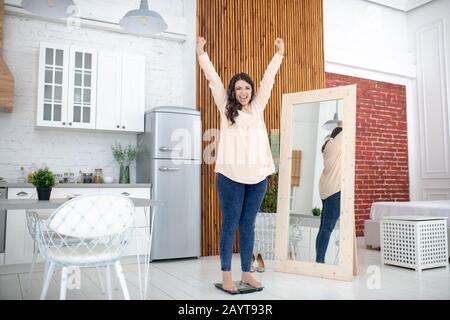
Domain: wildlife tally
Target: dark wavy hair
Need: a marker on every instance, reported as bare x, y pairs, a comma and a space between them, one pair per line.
333, 134
233, 104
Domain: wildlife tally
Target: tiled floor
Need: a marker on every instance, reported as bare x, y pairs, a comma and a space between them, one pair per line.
194, 278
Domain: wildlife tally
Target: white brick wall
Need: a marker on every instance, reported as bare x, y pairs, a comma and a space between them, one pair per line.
21, 143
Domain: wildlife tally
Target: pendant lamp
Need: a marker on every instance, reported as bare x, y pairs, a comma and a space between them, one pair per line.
50, 8
331, 124
143, 21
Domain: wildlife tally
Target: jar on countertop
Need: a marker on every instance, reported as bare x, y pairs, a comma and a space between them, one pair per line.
98, 176
87, 177
80, 177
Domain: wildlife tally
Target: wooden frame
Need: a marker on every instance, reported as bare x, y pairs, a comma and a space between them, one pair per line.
347, 260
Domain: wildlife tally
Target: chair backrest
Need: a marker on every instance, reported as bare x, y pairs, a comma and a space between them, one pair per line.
33, 216
93, 216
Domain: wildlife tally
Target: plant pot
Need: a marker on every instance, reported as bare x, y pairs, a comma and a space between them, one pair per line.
124, 175
44, 193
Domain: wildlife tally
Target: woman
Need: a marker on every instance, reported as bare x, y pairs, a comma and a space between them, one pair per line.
330, 191
244, 160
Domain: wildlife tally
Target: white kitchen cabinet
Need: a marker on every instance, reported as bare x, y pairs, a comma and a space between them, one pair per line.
82, 94
19, 246
133, 93
120, 92
109, 90
53, 85
142, 193
64, 193
85, 89
136, 243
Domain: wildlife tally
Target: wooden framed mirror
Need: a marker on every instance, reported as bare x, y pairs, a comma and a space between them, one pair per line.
311, 240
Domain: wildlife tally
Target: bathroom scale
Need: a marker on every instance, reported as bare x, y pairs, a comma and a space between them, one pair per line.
242, 288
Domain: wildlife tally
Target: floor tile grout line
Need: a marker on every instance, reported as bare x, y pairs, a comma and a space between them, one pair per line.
152, 284
173, 277
20, 286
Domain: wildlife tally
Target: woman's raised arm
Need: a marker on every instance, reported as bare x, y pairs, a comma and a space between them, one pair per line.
263, 94
215, 83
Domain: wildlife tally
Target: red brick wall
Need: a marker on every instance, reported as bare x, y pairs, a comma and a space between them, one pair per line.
381, 143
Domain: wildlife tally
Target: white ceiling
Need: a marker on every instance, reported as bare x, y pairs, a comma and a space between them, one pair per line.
403, 5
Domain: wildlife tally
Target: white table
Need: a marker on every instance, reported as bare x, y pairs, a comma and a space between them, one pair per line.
149, 208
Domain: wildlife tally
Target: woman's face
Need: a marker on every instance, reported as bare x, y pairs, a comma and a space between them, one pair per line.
243, 92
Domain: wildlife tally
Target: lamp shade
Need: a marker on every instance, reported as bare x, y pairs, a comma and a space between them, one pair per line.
143, 21
50, 8
331, 124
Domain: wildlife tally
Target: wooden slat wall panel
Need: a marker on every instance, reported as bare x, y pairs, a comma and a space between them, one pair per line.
240, 36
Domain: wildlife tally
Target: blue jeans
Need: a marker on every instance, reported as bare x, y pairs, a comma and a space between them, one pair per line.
240, 204
331, 208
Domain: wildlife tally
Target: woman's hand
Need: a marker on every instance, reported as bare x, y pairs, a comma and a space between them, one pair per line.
279, 44
200, 45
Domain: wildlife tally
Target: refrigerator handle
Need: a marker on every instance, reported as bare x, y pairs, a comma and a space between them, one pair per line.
167, 149
168, 169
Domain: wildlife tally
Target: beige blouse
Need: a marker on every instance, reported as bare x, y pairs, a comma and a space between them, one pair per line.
243, 153
330, 179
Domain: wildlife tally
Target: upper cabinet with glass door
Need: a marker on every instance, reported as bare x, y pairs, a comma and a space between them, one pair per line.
53, 80
82, 88
67, 87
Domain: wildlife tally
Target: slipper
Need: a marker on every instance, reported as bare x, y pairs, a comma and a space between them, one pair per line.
252, 267
261, 267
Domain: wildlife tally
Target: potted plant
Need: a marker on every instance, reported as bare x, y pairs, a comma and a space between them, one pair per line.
124, 156
316, 211
269, 203
43, 180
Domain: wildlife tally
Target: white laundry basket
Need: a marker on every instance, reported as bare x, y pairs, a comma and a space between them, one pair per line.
414, 242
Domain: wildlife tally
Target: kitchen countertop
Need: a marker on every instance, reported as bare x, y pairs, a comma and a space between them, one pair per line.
83, 185
30, 204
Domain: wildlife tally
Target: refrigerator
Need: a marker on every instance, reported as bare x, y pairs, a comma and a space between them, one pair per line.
170, 159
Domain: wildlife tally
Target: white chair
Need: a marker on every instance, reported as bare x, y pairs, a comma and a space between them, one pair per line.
87, 231
33, 217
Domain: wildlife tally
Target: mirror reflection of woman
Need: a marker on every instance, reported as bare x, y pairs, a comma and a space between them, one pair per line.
244, 160
330, 191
